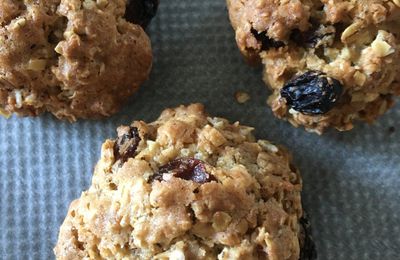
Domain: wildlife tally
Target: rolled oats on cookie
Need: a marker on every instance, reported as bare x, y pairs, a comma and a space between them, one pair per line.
73, 58
327, 62
188, 186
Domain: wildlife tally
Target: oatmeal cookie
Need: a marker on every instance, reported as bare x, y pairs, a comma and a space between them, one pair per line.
73, 58
328, 62
188, 186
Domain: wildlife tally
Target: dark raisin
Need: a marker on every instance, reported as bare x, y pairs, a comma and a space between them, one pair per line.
141, 11
126, 144
185, 168
312, 93
308, 250
266, 42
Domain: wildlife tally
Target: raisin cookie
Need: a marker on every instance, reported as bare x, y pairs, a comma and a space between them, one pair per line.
73, 58
188, 186
328, 62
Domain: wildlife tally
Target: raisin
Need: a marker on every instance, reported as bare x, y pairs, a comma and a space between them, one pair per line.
308, 250
266, 42
185, 168
141, 11
312, 93
126, 144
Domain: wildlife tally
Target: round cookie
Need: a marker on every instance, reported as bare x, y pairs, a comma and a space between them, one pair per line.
73, 58
188, 186
328, 63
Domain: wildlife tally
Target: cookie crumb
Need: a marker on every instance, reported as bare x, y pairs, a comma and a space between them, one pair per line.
242, 97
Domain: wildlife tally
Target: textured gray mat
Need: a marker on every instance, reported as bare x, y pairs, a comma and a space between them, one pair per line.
351, 180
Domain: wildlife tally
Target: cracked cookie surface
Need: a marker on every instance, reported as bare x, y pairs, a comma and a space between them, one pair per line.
353, 42
188, 186
73, 58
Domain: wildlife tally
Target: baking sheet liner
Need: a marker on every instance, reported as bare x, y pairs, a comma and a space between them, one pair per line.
351, 180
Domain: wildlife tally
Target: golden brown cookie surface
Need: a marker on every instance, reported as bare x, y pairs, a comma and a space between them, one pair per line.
73, 58
353, 42
187, 186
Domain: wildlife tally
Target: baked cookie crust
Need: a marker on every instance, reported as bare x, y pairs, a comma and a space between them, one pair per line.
188, 186
73, 58
353, 42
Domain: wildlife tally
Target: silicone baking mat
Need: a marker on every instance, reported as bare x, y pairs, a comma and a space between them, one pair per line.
351, 180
